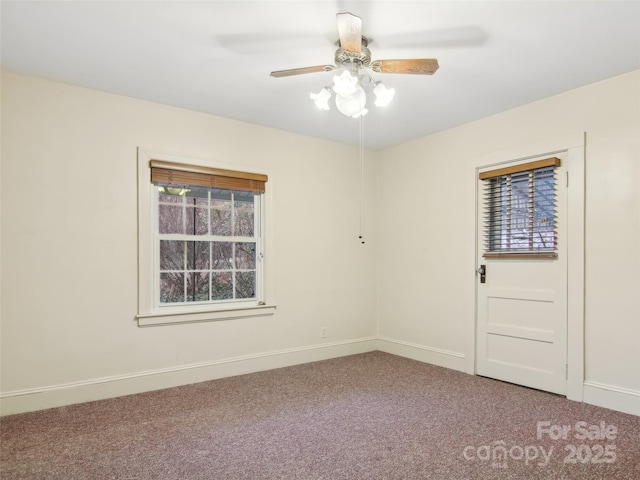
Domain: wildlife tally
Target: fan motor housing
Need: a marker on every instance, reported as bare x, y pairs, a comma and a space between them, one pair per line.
361, 58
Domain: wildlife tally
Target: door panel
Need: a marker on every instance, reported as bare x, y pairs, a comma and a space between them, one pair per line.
521, 334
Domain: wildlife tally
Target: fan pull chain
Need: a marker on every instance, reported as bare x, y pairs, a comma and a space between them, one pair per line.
362, 203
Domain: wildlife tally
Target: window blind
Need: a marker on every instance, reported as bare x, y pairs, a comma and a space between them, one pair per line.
171, 173
520, 210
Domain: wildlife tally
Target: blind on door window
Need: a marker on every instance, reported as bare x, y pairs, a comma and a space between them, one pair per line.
520, 210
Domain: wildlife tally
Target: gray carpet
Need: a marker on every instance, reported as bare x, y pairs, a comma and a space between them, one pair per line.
369, 416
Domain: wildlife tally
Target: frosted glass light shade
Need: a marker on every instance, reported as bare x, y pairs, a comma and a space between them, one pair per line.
321, 99
383, 94
345, 84
352, 105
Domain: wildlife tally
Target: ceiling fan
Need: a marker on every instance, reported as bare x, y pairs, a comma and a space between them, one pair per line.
353, 50
352, 55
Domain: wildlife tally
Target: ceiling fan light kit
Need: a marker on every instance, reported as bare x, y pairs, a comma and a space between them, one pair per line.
351, 57
351, 98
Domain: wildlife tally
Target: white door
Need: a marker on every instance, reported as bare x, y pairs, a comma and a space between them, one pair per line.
521, 334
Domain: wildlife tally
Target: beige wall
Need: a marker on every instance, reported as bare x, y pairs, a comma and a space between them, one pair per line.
427, 192
69, 245
69, 291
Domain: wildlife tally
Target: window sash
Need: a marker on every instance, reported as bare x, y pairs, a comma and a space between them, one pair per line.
256, 239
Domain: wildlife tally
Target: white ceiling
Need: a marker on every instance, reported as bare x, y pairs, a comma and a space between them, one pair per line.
216, 56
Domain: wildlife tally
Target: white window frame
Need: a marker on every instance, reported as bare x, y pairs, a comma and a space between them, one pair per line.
150, 311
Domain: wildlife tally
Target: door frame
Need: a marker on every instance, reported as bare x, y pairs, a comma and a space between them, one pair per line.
574, 146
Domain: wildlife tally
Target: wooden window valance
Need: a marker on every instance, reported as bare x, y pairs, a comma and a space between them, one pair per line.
172, 173
523, 167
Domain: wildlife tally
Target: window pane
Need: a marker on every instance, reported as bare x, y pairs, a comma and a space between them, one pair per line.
198, 255
197, 221
221, 285
221, 212
544, 209
197, 286
171, 287
245, 256
166, 197
170, 219
222, 256
171, 255
197, 195
519, 238
245, 284
494, 212
244, 215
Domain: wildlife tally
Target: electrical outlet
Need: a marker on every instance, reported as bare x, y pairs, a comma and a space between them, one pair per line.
323, 332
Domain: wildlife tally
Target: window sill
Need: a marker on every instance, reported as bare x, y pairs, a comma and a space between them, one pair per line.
174, 318
522, 255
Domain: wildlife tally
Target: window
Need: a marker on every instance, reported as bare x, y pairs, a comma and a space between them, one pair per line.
207, 242
520, 210
201, 242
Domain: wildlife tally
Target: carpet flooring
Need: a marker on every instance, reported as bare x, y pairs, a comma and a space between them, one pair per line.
369, 416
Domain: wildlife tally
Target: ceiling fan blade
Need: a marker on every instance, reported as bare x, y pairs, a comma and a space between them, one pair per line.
349, 31
417, 66
301, 71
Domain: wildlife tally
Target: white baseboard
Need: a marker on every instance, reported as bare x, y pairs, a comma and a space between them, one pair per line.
107, 387
20, 401
616, 398
422, 353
